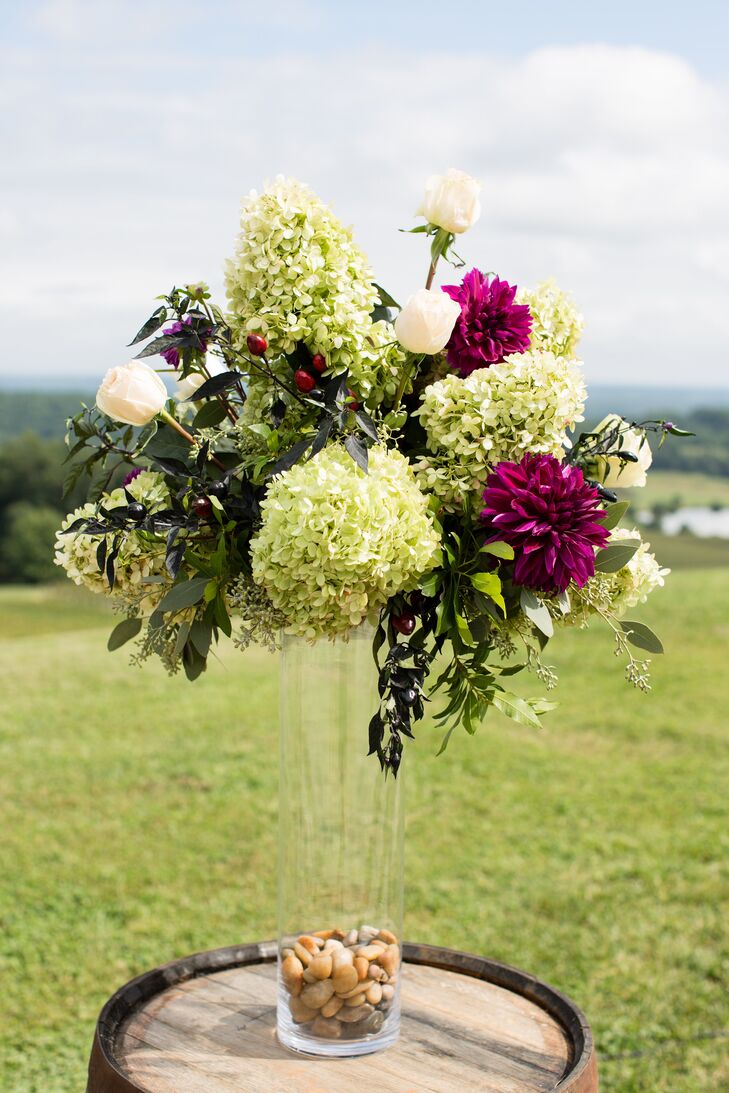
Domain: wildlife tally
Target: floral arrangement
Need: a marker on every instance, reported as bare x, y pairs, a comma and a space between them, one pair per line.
329, 457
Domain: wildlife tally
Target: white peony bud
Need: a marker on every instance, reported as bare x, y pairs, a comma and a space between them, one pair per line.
132, 393
618, 473
426, 322
451, 201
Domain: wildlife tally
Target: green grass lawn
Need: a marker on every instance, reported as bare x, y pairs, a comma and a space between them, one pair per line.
138, 816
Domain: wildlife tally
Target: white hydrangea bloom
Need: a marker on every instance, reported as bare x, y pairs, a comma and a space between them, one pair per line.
616, 593
524, 404
636, 580
557, 324
141, 555
336, 543
298, 276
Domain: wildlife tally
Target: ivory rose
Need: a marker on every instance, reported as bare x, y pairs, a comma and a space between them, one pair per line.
426, 322
133, 393
451, 201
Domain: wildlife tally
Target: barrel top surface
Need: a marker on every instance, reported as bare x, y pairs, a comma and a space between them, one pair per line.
207, 1024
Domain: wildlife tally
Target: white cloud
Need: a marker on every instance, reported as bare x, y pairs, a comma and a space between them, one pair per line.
607, 167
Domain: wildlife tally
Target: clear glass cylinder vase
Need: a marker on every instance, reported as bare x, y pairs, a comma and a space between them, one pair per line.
340, 856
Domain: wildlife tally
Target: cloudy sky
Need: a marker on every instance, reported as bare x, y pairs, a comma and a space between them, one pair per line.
130, 129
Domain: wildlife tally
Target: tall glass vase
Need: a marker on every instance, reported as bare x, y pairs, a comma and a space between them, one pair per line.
340, 856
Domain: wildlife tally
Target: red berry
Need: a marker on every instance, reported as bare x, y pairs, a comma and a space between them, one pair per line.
304, 380
203, 508
352, 403
319, 362
404, 624
257, 344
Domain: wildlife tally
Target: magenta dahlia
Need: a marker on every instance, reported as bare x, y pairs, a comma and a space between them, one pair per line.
491, 325
547, 512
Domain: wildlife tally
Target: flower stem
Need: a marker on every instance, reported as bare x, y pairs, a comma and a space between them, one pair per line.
431, 273
167, 417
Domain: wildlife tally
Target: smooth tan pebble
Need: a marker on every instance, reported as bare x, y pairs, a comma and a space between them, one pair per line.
388, 992
323, 934
333, 1006
316, 994
387, 936
390, 959
332, 945
303, 954
286, 953
344, 979
292, 973
321, 966
328, 1029
350, 1016
374, 1022
339, 934
374, 971
309, 976
342, 958
362, 966
358, 989
378, 943
356, 999
300, 1012
366, 933
351, 938
311, 944
373, 994
371, 952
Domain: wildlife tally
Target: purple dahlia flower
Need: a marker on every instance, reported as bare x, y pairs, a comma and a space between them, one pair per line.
172, 355
491, 325
133, 473
547, 512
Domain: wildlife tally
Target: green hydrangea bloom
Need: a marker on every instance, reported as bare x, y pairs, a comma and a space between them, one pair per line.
556, 322
298, 276
140, 556
336, 543
524, 404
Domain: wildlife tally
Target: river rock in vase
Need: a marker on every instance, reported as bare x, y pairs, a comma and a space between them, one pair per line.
342, 985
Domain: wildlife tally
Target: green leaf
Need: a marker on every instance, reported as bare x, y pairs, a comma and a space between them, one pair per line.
430, 583
151, 326
464, 631
499, 550
490, 585
642, 636
183, 634
183, 595
385, 298
209, 415
518, 709
446, 739
536, 612
616, 555
614, 514
123, 632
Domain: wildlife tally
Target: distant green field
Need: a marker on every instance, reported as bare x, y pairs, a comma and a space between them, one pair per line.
138, 813
691, 489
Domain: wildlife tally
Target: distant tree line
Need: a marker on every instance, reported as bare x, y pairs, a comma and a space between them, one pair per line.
32, 473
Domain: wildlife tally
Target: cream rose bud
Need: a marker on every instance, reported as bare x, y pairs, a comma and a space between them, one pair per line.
187, 387
619, 473
451, 201
426, 322
132, 393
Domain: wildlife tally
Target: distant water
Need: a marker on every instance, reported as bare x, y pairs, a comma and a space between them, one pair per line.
704, 522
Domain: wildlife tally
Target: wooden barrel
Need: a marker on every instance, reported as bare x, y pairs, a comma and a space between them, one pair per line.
207, 1024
